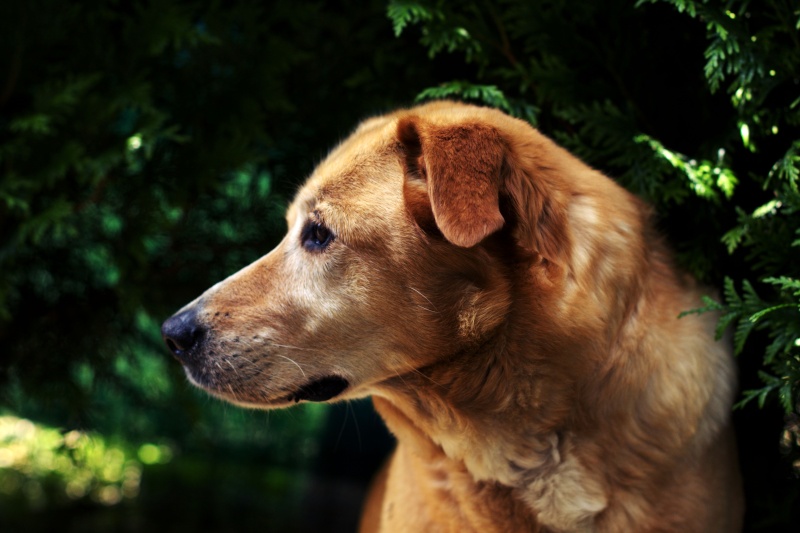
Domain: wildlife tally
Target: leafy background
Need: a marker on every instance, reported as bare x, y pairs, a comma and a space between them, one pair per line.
148, 149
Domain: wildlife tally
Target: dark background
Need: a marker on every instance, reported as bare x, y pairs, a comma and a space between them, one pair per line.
148, 149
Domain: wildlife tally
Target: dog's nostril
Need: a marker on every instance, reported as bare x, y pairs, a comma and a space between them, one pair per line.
172, 346
182, 333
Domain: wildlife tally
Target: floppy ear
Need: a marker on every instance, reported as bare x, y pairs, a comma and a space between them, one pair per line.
461, 166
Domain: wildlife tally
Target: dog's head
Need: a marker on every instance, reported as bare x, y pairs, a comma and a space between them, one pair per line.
398, 256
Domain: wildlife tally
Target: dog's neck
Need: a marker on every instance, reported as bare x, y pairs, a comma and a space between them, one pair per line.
516, 439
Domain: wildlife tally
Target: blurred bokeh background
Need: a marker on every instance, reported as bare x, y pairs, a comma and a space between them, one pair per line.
149, 148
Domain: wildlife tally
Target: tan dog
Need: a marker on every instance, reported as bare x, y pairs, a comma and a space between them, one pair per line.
514, 318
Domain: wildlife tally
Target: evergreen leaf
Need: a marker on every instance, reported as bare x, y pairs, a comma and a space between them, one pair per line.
742, 331
732, 298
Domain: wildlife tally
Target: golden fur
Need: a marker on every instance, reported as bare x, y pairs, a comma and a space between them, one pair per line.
515, 320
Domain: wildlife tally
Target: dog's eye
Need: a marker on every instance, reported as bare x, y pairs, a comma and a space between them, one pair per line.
316, 237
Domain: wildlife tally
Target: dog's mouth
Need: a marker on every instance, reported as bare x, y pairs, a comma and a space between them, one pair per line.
240, 391
320, 390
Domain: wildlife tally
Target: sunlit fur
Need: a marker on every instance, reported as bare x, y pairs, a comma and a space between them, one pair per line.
515, 319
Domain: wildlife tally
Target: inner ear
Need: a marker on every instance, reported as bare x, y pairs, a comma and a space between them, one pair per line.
415, 188
418, 206
413, 162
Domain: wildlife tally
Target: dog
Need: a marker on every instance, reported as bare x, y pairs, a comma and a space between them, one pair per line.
515, 319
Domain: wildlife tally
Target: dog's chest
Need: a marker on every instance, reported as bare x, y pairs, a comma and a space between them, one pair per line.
550, 480
490, 457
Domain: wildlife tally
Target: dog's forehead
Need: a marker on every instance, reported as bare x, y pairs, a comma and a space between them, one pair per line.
363, 170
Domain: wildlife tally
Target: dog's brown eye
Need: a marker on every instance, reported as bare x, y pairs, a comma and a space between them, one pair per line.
316, 237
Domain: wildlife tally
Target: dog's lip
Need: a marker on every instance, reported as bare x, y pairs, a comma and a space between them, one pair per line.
319, 390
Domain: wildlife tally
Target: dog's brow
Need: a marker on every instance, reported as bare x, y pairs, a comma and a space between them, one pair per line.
304, 204
316, 215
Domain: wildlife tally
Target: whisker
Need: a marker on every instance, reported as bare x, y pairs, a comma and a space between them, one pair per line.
295, 363
355, 420
294, 347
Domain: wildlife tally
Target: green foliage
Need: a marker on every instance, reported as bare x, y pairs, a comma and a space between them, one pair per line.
404, 13
781, 321
444, 30
44, 466
747, 312
757, 54
704, 178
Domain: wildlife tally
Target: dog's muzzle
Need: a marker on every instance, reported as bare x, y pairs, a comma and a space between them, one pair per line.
185, 336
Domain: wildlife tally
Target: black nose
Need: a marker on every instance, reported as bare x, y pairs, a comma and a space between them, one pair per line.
182, 333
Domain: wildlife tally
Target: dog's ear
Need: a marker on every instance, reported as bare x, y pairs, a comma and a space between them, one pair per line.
460, 166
